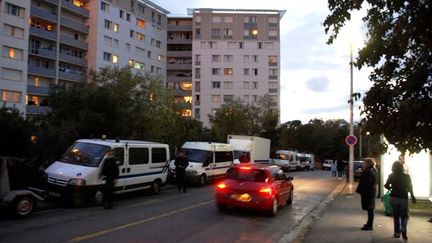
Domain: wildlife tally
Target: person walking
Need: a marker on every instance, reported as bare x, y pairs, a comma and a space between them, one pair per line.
340, 168
400, 185
110, 172
367, 190
334, 168
181, 163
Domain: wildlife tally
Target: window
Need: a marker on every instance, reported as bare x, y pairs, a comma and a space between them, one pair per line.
131, 33
215, 58
228, 71
139, 65
198, 33
11, 74
228, 33
13, 31
254, 85
212, 44
273, 20
140, 51
128, 17
216, 71
216, 85
269, 45
216, 19
260, 45
255, 71
107, 24
107, 40
255, 58
138, 156
246, 85
272, 60
115, 59
223, 156
228, 58
197, 72
119, 155
246, 71
197, 59
107, 56
232, 45
10, 96
228, 19
215, 98
141, 8
116, 27
140, 23
198, 19
15, 10
128, 47
273, 33
228, 85
105, 6
116, 43
13, 53
121, 14
246, 58
159, 155
240, 45
216, 33
228, 98
140, 37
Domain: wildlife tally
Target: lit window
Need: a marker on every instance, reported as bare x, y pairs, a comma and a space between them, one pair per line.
186, 86
116, 27
11, 52
188, 99
228, 71
254, 32
115, 59
78, 3
10, 96
140, 23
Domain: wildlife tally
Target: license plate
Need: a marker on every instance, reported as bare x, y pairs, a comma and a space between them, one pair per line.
245, 197
54, 194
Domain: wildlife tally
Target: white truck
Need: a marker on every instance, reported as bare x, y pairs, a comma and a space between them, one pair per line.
257, 149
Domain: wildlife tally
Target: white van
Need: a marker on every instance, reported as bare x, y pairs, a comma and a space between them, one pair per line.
207, 161
306, 161
76, 176
257, 148
287, 160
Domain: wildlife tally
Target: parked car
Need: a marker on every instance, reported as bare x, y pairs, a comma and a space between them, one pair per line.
255, 186
327, 164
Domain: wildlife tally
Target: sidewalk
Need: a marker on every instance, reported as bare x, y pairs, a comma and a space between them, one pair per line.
342, 219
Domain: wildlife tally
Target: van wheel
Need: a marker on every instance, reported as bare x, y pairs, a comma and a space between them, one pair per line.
23, 207
202, 180
98, 197
155, 189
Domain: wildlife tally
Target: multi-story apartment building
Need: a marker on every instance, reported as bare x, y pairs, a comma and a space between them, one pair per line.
128, 32
179, 61
236, 54
14, 17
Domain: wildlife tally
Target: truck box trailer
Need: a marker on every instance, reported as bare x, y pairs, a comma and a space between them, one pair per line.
257, 149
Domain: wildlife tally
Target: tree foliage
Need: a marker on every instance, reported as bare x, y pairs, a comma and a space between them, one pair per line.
399, 48
15, 133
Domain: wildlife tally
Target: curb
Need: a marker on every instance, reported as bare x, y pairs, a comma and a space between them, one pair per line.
298, 231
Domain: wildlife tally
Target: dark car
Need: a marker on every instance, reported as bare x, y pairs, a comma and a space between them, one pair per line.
358, 169
255, 186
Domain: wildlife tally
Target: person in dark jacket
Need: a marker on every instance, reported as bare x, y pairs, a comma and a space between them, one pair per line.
110, 172
340, 168
181, 163
367, 190
400, 185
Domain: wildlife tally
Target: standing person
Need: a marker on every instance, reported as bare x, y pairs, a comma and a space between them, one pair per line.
110, 172
400, 185
340, 168
181, 163
334, 168
367, 190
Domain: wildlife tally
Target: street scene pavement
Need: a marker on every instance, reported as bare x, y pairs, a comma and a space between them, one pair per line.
342, 219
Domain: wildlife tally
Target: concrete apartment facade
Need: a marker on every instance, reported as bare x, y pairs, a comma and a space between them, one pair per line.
236, 54
179, 61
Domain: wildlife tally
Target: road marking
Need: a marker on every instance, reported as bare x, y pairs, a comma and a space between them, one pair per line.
152, 201
124, 226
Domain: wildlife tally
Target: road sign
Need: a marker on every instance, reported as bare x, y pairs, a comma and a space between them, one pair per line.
351, 140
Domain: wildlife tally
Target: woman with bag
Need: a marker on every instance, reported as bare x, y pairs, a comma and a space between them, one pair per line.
400, 185
367, 190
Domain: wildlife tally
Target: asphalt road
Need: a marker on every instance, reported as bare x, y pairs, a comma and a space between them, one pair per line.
170, 216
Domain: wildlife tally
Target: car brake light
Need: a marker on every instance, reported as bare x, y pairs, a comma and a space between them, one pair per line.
221, 186
266, 190
245, 168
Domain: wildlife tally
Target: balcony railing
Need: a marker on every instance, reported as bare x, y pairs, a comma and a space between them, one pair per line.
47, 72
273, 64
38, 110
43, 33
273, 77
72, 59
43, 14
71, 76
180, 28
175, 66
55, 2
73, 42
179, 53
71, 7
175, 40
43, 52
74, 25
38, 90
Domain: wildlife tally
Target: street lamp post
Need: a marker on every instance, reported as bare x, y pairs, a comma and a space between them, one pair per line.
351, 128
368, 138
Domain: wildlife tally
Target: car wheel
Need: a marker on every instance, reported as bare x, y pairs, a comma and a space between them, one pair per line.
202, 180
98, 197
274, 208
155, 189
290, 198
23, 207
221, 207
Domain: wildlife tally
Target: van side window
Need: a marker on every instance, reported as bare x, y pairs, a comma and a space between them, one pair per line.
138, 156
223, 156
208, 159
119, 155
159, 155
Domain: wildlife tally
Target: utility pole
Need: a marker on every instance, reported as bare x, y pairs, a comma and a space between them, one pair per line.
351, 147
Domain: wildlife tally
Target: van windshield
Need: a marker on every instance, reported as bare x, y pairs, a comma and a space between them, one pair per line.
196, 155
87, 154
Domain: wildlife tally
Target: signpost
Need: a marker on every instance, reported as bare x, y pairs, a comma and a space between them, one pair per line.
351, 140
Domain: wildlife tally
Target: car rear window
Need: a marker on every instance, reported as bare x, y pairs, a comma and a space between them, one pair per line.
253, 175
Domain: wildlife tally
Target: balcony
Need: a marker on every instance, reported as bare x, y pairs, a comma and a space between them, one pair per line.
179, 53
46, 72
55, 2
273, 90
73, 42
185, 28
71, 7
36, 90
70, 76
273, 77
72, 59
250, 25
176, 66
74, 25
179, 79
273, 38
43, 14
272, 24
51, 35
175, 40
38, 110
273, 64
43, 53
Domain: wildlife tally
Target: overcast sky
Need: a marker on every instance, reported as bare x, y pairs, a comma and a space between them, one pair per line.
314, 76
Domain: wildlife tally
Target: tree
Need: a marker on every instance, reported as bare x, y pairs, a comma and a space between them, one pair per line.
15, 133
399, 48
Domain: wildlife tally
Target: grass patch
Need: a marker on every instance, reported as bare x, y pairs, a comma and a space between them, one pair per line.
421, 206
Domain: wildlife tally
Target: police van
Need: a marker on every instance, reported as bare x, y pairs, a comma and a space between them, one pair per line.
287, 160
207, 161
76, 176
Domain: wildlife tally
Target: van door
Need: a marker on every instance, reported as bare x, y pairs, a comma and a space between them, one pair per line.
223, 161
208, 165
158, 164
119, 155
137, 168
